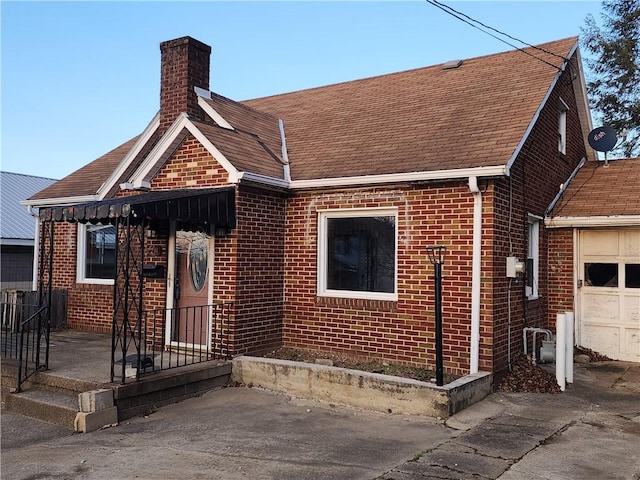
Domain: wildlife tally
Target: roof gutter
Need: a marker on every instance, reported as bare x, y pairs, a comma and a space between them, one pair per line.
364, 180
564, 186
595, 221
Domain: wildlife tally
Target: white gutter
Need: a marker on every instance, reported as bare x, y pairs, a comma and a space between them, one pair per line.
460, 173
476, 264
59, 201
265, 180
595, 221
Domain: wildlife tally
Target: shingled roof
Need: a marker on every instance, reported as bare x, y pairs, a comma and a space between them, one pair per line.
600, 189
422, 120
419, 120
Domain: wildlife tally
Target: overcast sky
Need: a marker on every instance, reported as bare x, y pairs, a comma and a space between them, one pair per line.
80, 78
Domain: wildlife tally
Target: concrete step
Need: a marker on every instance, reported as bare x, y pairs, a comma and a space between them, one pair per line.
49, 406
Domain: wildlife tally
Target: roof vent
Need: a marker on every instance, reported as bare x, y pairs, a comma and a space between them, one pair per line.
451, 64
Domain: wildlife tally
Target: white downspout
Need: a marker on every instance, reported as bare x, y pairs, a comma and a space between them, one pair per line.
476, 264
36, 249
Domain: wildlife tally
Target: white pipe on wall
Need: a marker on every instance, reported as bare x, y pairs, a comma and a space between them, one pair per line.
569, 356
561, 349
476, 264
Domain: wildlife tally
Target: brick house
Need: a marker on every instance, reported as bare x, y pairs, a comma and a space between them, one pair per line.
311, 211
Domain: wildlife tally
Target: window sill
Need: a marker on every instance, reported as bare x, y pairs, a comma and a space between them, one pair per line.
363, 303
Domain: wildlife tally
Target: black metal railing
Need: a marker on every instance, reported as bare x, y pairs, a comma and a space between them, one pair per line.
25, 337
171, 338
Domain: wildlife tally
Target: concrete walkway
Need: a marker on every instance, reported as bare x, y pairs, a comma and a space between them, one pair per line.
592, 431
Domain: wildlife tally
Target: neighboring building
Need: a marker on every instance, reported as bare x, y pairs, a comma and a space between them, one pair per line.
595, 265
17, 229
312, 211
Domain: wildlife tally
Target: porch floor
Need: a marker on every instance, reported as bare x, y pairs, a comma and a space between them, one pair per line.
79, 355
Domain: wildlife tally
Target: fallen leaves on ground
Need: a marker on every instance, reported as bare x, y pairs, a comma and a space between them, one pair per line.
526, 376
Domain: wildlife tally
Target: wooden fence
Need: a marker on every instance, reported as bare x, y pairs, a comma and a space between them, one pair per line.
17, 305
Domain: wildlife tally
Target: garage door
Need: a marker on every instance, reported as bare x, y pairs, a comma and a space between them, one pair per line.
609, 293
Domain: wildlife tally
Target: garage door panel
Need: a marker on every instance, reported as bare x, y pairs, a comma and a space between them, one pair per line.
600, 243
631, 243
631, 310
599, 306
631, 344
602, 338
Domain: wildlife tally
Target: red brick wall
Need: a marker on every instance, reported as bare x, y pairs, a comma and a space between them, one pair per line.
561, 280
535, 179
260, 270
403, 331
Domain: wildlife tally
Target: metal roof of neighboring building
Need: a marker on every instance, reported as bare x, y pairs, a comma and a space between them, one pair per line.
17, 227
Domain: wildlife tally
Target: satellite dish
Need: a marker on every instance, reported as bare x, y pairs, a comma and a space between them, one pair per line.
602, 139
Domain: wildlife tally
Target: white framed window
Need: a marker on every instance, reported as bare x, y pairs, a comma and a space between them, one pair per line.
562, 127
357, 253
96, 262
533, 257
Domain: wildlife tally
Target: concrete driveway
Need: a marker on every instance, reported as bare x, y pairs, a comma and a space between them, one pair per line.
592, 431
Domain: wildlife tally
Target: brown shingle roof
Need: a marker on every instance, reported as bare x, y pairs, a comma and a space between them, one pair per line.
419, 120
244, 150
597, 190
425, 119
88, 179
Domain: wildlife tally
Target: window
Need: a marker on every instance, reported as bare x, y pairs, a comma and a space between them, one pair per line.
533, 260
632, 275
601, 274
96, 254
562, 127
357, 252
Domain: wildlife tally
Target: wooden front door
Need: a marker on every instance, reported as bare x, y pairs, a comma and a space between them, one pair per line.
191, 324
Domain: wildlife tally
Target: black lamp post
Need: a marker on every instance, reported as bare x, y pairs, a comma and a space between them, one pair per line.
436, 257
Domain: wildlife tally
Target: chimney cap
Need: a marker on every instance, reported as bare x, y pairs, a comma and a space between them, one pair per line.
184, 41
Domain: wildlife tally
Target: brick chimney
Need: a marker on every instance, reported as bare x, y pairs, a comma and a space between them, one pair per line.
184, 65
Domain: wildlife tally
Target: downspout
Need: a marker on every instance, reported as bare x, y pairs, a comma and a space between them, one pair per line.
36, 244
476, 263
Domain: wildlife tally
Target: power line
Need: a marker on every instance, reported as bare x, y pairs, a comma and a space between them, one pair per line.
463, 18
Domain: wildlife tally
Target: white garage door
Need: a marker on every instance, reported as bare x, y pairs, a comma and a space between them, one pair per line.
609, 293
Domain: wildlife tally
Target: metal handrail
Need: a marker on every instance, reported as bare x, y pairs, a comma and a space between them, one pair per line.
23, 360
152, 351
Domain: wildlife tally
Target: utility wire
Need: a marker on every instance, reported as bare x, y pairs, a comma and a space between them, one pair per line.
463, 18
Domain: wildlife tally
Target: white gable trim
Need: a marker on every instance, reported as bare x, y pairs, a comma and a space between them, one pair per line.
579, 79
364, 180
594, 221
128, 158
157, 154
215, 116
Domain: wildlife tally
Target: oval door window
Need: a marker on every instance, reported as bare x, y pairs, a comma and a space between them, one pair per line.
198, 260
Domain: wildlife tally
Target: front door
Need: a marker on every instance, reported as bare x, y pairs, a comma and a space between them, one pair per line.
191, 322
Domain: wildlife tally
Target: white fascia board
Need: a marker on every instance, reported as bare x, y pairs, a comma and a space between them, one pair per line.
59, 201
215, 116
128, 158
595, 221
533, 121
364, 180
154, 156
182, 122
263, 179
